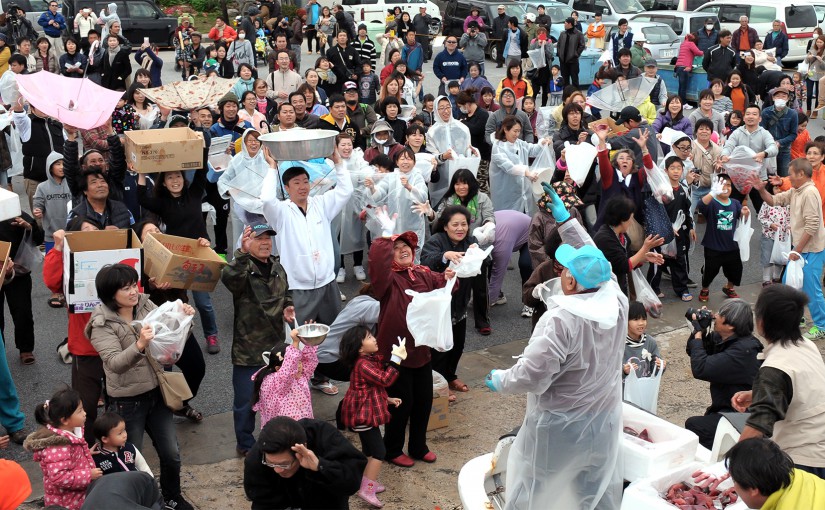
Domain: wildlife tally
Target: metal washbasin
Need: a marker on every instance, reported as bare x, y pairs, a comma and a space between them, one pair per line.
300, 144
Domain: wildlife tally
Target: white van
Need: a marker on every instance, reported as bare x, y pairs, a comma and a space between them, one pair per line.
374, 12
612, 10
799, 19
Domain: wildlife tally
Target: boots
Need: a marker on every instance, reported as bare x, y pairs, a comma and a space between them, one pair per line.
367, 493
378, 487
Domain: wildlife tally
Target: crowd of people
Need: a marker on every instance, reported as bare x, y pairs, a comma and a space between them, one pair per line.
417, 179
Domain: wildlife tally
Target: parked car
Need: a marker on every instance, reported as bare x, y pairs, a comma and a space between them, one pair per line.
374, 12
799, 19
32, 8
138, 19
682, 22
662, 43
612, 10
558, 12
456, 11
671, 5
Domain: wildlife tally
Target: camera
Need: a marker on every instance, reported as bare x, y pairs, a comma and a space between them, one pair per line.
702, 316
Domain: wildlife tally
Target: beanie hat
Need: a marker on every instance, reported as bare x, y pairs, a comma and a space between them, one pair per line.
228, 97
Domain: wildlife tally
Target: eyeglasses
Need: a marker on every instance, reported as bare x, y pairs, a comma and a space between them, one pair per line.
282, 467
683, 147
451, 42
445, 108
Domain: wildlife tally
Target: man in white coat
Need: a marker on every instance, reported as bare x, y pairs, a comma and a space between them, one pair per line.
567, 450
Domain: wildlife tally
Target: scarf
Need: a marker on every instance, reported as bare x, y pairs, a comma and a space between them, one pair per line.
229, 124
471, 206
261, 104
633, 343
398, 268
113, 53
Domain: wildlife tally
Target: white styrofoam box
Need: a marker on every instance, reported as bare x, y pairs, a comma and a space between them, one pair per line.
672, 446
648, 493
9, 204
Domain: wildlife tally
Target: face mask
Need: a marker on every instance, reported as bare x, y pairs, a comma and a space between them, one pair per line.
241, 36
352, 102
463, 110
708, 27
780, 103
380, 142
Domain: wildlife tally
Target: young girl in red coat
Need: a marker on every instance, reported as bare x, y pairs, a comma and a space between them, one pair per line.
59, 447
365, 406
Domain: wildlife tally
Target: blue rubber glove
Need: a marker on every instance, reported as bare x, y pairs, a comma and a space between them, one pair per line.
557, 207
491, 381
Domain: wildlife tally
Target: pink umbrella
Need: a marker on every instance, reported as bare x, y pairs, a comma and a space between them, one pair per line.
77, 102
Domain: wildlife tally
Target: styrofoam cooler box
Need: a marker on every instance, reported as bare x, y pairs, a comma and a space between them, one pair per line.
648, 493
672, 446
9, 204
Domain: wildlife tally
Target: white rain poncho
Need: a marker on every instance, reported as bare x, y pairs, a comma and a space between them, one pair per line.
390, 192
242, 179
352, 228
567, 450
509, 188
441, 137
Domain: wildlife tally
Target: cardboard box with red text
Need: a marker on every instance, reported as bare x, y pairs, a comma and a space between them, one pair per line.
164, 150
182, 262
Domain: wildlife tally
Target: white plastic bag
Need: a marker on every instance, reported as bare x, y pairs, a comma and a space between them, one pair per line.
742, 236
645, 294
670, 250
485, 234
16, 152
643, 391
171, 327
458, 162
429, 319
781, 249
793, 274
659, 184
742, 168
471, 262
440, 386
537, 57
579, 159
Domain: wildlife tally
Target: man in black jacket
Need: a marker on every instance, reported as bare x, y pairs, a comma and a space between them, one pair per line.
720, 59
571, 46
499, 34
344, 59
98, 205
421, 25
303, 464
114, 169
726, 358
542, 19
40, 136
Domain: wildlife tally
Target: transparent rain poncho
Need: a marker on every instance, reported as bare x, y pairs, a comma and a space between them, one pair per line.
509, 188
441, 137
567, 450
243, 178
616, 96
390, 192
352, 228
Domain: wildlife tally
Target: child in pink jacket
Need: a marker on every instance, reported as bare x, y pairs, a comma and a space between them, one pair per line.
59, 447
282, 387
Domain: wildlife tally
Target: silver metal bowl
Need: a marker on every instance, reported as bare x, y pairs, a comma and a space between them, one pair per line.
313, 334
300, 144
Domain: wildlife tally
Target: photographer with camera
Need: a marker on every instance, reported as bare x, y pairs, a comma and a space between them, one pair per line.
724, 357
17, 26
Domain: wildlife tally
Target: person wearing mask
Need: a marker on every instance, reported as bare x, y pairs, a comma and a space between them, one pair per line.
515, 45
473, 43
744, 38
777, 39
53, 24
499, 34
240, 51
622, 39
781, 122
720, 59
571, 46
507, 101
708, 36
421, 23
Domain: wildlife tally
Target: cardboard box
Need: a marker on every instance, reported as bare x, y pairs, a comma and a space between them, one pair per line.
181, 262
9, 204
164, 150
85, 253
672, 446
5, 249
440, 414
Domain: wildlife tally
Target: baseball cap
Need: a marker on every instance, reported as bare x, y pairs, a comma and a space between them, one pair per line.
261, 227
587, 264
776, 90
629, 113
350, 85
650, 63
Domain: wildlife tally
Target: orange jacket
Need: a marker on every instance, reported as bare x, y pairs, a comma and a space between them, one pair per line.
798, 145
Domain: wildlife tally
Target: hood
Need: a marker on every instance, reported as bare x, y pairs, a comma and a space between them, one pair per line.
503, 90
245, 152
436, 116
382, 126
43, 438
112, 9
50, 160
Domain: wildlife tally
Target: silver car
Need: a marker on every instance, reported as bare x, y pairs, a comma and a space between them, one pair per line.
661, 42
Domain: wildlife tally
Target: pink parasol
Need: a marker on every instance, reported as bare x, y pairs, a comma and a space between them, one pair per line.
77, 102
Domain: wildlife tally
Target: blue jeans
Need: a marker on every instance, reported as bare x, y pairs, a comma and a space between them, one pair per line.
697, 193
684, 77
242, 414
203, 302
783, 159
10, 416
812, 286
148, 412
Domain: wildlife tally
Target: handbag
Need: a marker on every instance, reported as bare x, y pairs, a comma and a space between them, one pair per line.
173, 386
657, 222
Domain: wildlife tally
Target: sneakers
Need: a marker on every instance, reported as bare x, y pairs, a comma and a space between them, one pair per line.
815, 334
502, 299
343, 296
729, 292
342, 276
704, 294
212, 345
178, 503
367, 493
687, 107
526, 311
360, 274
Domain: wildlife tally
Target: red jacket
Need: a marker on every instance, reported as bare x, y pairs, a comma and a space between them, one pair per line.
365, 403
388, 287
79, 345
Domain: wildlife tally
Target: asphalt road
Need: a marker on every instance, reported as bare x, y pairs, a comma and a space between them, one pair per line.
36, 382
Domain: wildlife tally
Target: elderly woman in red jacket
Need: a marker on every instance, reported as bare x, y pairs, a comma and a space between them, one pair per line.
392, 271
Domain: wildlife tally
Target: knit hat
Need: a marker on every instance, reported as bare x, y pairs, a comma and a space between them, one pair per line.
228, 97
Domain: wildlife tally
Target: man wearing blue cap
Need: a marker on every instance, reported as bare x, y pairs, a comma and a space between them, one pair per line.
567, 449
